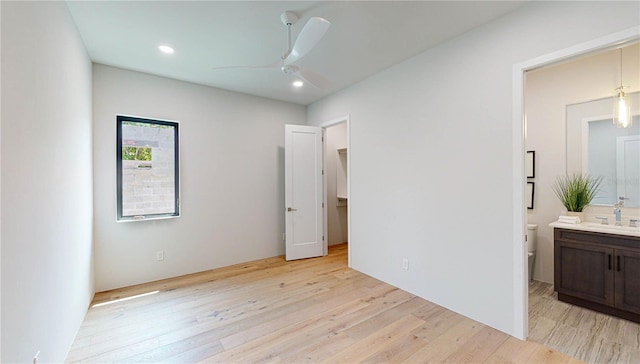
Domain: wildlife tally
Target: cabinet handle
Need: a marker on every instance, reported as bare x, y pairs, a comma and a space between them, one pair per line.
609, 261
618, 262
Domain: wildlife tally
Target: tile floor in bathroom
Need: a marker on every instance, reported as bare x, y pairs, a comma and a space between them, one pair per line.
578, 332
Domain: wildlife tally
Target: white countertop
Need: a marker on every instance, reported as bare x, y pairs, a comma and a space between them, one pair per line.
599, 228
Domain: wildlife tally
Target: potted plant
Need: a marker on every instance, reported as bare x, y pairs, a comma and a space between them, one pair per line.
576, 191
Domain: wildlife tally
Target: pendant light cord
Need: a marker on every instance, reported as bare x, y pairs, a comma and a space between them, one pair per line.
621, 70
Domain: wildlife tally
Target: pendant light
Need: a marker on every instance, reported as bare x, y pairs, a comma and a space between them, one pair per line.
621, 109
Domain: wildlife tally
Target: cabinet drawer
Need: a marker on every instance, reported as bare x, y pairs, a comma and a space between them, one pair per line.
620, 241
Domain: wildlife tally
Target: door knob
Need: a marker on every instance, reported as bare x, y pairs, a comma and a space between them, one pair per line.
291, 209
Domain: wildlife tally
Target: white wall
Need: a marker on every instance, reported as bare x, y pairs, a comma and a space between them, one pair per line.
335, 138
548, 91
232, 178
47, 278
431, 158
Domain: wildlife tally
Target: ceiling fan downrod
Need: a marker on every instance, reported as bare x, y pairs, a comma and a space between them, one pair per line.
288, 18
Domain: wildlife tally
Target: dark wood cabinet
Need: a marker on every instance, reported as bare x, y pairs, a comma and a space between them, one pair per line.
598, 271
582, 270
627, 280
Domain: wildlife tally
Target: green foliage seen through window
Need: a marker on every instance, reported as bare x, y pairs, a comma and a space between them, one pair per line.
136, 153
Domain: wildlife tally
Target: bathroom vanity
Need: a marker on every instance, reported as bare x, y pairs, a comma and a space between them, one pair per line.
598, 268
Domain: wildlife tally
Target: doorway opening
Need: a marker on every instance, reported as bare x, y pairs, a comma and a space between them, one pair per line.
317, 188
337, 181
336, 155
521, 290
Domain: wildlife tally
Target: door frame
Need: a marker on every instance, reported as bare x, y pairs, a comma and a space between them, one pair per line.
333, 122
520, 266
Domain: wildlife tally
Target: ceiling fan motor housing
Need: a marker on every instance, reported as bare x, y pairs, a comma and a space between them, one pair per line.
289, 69
289, 18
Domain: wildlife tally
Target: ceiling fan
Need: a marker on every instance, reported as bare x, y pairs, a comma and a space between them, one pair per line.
309, 36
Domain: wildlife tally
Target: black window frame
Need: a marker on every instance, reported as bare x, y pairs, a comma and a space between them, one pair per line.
120, 119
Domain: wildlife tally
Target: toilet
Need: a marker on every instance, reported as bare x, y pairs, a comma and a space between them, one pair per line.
531, 246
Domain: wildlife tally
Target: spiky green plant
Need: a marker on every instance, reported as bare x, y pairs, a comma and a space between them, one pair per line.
576, 191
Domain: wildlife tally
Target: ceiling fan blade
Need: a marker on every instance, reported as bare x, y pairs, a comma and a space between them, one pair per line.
269, 66
313, 78
309, 36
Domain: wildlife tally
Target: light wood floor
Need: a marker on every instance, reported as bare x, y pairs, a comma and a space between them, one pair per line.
581, 333
313, 310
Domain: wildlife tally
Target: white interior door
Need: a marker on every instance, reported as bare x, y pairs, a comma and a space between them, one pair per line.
303, 192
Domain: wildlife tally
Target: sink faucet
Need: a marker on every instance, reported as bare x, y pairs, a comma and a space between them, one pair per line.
618, 211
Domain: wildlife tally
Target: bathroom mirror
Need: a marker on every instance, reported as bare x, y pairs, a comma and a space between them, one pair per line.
599, 148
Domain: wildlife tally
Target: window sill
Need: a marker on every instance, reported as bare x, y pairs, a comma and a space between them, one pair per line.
146, 218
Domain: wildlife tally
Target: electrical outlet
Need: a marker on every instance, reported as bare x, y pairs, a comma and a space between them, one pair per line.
160, 255
405, 263
36, 357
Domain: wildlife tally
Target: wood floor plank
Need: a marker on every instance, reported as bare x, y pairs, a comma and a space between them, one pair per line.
283, 323
390, 300
439, 321
262, 347
327, 329
441, 347
196, 354
546, 355
395, 351
320, 351
194, 324
513, 351
384, 318
376, 340
479, 347
246, 324
198, 346
314, 348
311, 310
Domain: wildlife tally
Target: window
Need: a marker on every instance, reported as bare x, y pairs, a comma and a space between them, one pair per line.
147, 169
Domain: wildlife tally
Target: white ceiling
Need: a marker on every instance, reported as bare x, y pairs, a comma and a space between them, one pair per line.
365, 37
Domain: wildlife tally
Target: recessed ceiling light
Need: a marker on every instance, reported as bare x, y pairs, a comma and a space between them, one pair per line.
298, 83
166, 49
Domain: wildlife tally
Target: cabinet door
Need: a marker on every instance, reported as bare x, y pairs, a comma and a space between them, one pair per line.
584, 271
627, 280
